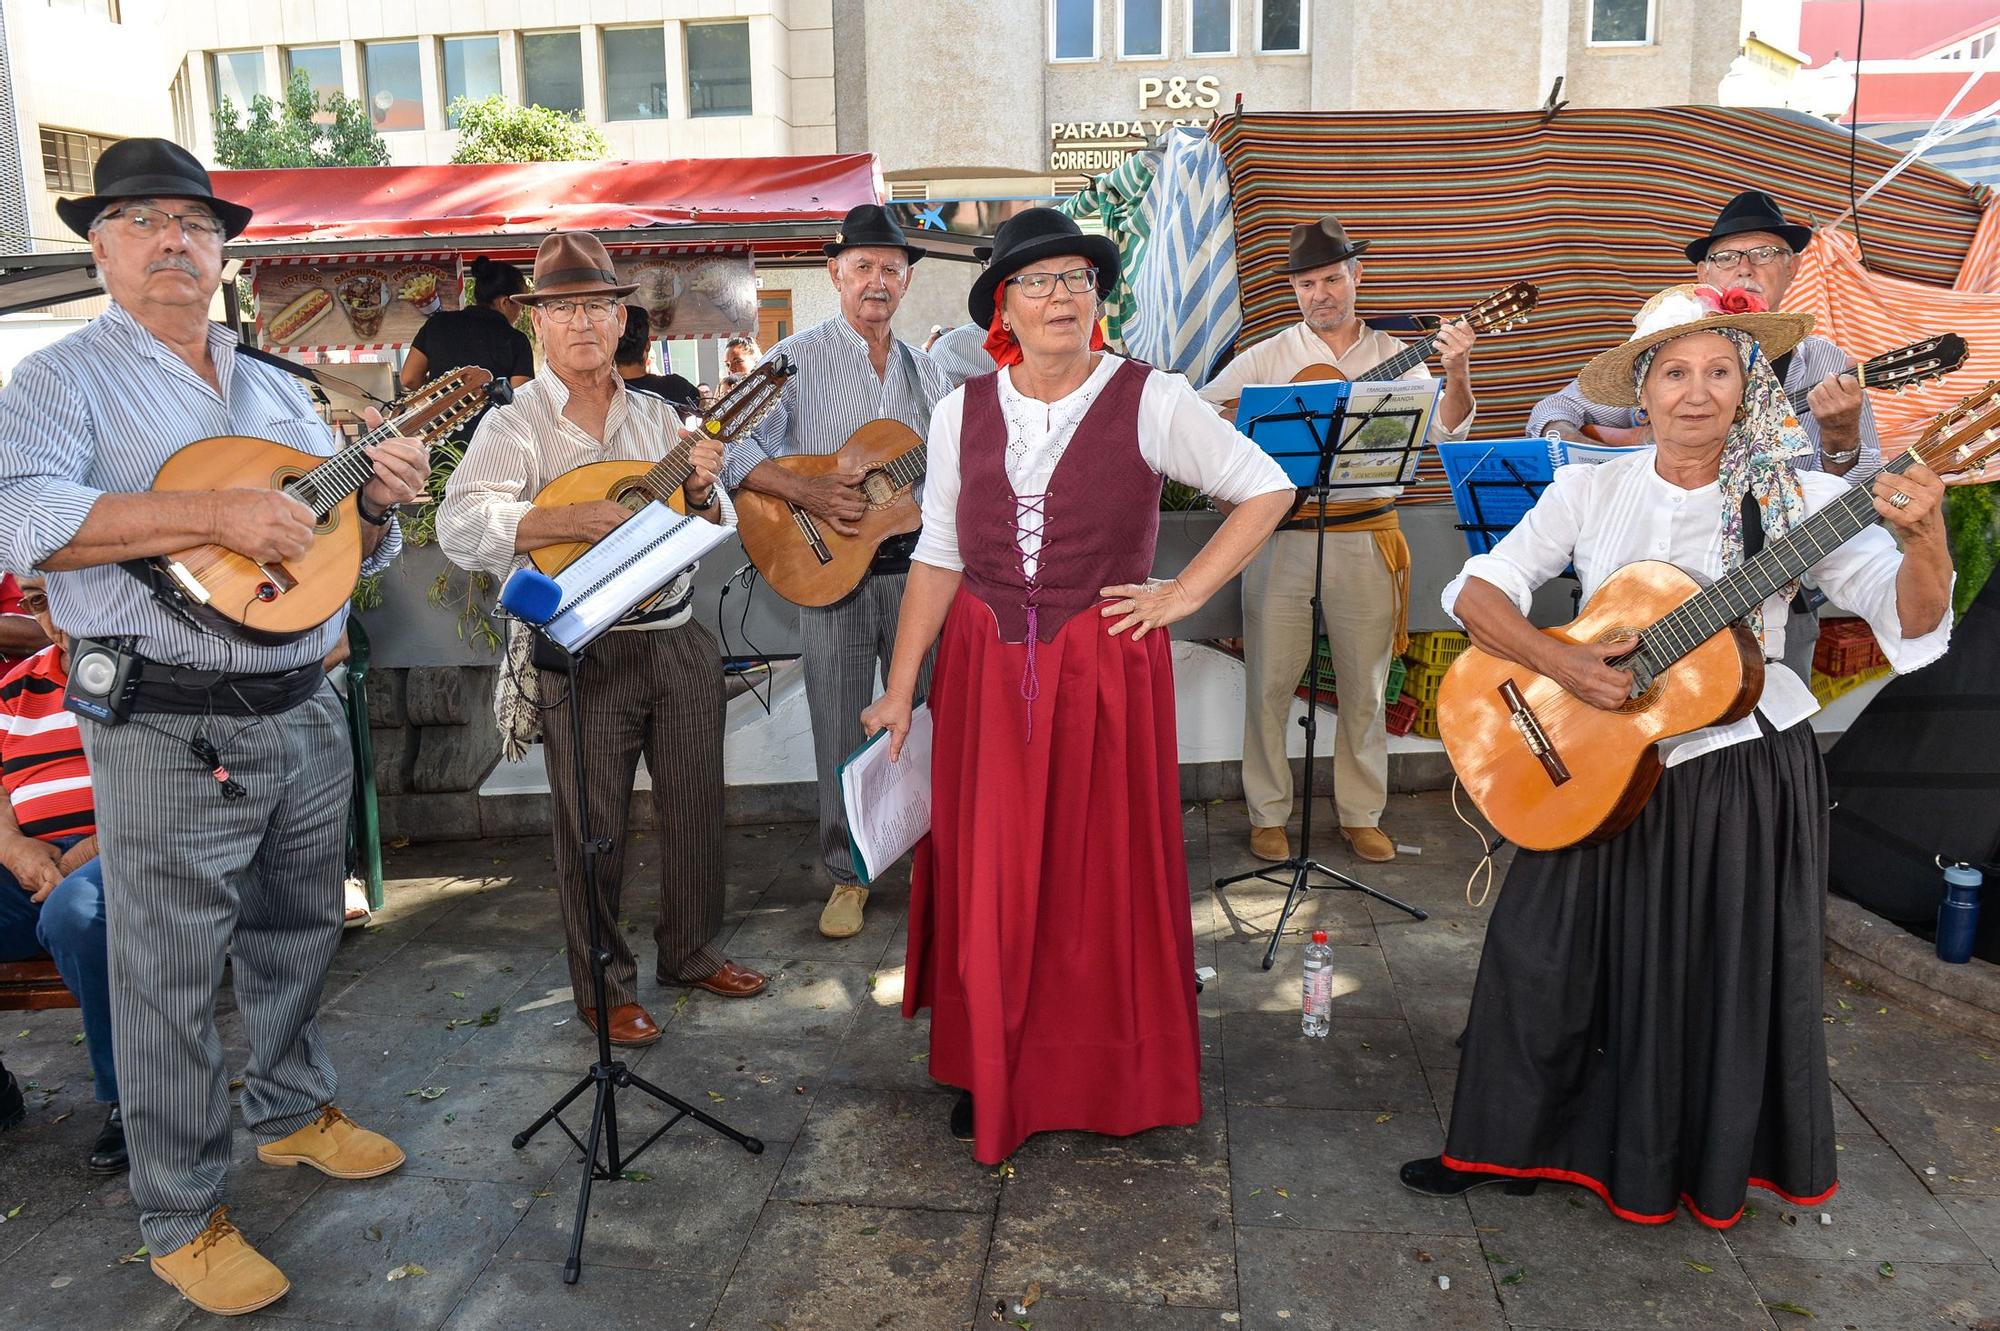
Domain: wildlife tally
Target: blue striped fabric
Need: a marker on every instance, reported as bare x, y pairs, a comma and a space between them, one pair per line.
1186, 313
1116, 200
1971, 154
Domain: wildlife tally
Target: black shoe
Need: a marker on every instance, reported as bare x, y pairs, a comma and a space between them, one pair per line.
1432, 1177
961, 1117
107, 1153
13, 1108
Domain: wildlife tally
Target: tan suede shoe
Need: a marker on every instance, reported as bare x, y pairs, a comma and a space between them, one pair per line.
1270, 843
1370, 844
842, 916
220, 1272
335, 1145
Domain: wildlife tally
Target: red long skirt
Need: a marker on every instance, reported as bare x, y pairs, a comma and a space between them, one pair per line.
1050, 932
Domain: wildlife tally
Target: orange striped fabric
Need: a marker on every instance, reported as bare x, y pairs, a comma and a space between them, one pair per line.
1592, 205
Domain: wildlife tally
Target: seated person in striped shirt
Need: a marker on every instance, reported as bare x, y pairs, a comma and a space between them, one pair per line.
1753, 248
51, 882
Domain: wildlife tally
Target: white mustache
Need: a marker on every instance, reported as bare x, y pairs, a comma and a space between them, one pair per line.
173, 261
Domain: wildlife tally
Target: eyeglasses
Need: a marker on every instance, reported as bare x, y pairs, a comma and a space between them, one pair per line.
34, 603
1762, 256
144, 221
1037, 286
565, 311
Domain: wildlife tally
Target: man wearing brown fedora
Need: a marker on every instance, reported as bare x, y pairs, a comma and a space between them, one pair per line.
1366, 568
853, 369
656, 688
221, 799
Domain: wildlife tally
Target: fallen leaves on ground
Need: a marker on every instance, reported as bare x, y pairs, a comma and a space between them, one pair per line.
406, 1271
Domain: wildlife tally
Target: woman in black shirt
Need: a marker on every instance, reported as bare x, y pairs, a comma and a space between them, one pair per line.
631, 358
482, 335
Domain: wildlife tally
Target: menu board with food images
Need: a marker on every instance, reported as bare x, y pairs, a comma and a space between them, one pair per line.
693, 294
316, 305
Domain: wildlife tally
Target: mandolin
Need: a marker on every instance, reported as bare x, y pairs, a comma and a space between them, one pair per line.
636, 484
1550, 770
806, 561
287, 599
1905, 367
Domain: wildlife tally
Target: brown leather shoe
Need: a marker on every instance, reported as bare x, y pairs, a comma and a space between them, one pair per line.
336, 1146
220, 1272
631, 1025
1270, 843
732, 981
1370, 844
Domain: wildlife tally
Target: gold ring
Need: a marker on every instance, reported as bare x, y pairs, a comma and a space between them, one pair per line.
1899, 500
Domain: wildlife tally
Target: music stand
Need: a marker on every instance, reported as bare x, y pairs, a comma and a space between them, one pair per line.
1320, 430
608, 1074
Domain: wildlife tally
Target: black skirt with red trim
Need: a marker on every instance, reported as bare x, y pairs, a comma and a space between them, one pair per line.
1646, 1022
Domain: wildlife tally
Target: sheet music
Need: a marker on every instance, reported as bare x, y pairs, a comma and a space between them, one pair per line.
888, 804
1414, 402
1564, 452
646, 552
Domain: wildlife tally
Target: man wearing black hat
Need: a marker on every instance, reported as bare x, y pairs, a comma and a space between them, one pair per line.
852, 369
222, 805
1366, 566
1753, 248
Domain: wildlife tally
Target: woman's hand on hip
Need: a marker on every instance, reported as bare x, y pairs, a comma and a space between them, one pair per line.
1152, 604
892, 714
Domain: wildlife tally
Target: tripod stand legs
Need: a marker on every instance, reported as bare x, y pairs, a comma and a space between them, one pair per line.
1295, 874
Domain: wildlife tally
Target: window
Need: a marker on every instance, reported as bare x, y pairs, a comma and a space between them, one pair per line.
635, 73
182, 100
104, 9
69, 158
236, 76
1621, 22
391, 85
1211, 27
1073, 29
471, 69
552, 70
1281, 26
320, 63
718, 56
1142, 29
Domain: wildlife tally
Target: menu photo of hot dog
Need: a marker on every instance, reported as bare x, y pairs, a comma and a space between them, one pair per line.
382, 304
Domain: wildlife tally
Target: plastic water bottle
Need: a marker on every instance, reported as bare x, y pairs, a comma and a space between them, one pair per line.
1316, 1011
1958, 913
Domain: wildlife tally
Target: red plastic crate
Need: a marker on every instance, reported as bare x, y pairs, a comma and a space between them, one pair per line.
1401, 715
1846, 647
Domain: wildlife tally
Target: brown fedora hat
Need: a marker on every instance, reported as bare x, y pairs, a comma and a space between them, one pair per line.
574, 263
1318, 244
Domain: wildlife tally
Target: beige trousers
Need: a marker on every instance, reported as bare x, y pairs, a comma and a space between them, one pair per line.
1360, 608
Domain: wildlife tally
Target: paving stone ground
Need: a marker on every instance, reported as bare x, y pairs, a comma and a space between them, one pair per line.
1279, 1210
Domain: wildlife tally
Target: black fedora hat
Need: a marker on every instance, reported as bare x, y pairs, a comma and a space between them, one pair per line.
1752, 210
869, 226
1318, 244
1029, 236
148, 169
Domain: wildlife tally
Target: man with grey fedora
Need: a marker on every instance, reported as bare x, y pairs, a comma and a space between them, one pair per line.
852, 369
1366, 564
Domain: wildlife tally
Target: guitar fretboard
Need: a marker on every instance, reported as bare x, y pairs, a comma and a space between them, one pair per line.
906, 469
322, 488
1403, 361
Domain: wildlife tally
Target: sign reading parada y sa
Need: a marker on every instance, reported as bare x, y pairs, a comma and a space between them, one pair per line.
1093, 146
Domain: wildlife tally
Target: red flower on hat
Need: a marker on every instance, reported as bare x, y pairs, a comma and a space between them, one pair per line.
1738, 301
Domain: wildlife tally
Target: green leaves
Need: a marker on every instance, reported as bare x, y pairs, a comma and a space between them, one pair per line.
493, 129
302, 129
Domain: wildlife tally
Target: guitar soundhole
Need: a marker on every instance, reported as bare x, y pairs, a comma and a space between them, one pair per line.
879, 490
1652, 693
281, 479
631, 496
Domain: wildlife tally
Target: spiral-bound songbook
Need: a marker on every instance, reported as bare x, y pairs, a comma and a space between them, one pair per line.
647, 551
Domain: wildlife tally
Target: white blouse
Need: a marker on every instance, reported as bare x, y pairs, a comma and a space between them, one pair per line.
1180, 437
1603, 517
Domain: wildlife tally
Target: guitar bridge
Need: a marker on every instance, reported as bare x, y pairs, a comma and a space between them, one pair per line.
810, 530
1536, 738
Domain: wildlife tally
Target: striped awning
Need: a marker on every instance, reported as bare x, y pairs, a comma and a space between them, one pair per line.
1592, 205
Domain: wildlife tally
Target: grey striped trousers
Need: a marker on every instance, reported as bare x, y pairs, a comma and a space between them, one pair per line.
842, 645
190, 877
656, 692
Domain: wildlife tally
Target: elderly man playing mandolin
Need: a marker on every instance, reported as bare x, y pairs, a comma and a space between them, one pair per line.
222, 804
1647, 1018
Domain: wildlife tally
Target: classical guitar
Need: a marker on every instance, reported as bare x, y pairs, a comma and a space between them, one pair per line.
1503, 309
286, 599
1925, 359
1550, 770
804, 559
636, 484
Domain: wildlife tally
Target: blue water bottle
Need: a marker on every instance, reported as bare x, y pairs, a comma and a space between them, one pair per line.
1958, 913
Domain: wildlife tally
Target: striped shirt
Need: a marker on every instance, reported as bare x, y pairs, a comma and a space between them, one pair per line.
521, 447
835, 393
1812, 360
100, 411
41, 752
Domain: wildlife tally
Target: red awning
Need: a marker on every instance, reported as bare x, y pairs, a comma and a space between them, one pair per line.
415, 202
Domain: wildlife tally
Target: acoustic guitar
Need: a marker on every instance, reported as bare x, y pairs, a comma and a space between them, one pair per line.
1904, 367
287, 599
1550, 770
636, 484
805, 560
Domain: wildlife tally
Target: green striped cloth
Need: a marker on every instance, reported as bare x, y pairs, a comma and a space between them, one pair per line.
1113, 202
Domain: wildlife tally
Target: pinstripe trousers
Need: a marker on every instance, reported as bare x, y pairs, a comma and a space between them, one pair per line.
842, 646
656, 692
189, 878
